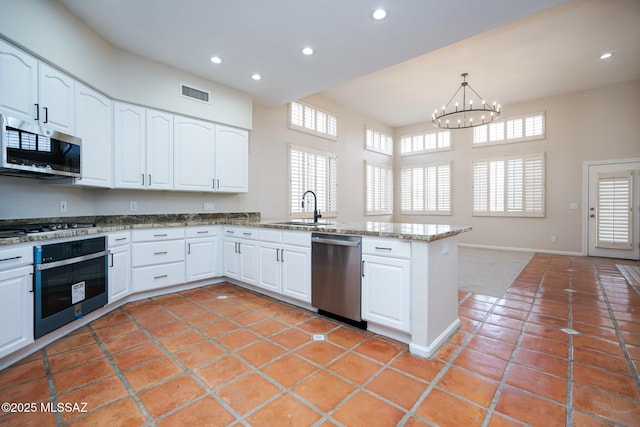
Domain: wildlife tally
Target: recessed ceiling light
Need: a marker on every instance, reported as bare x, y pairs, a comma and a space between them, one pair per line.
307, 51
216, 59
379, 14
256, 76
606, 55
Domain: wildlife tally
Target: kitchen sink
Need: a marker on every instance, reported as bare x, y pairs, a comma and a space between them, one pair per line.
303, 223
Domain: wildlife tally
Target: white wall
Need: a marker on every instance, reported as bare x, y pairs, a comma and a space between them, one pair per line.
597, 124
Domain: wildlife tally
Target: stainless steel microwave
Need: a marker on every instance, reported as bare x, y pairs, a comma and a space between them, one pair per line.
30, 150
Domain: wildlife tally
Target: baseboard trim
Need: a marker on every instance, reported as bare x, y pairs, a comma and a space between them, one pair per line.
510, 248
429, 351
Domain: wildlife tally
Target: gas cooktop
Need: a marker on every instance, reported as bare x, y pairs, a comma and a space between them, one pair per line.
29, 229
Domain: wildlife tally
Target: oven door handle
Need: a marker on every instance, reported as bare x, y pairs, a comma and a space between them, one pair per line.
47, 266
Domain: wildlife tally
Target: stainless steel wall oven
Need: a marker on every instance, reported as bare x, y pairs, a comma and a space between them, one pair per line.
70, 280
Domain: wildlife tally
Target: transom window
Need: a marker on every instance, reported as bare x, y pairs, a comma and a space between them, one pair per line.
512, 130
426, 189
509, 186
425, 142
309, 119
379, 189
378, 141
316, 171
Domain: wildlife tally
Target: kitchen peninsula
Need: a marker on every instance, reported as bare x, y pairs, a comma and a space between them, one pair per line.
409, 270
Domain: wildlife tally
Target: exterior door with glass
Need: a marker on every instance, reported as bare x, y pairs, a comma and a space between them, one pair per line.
614, 209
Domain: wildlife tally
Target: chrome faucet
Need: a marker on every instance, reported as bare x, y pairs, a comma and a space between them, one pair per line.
316, 213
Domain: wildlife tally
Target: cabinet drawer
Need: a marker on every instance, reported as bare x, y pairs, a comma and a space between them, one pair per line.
157, 276
273, 236
208, 230
298, 238
15, 256
151, 253
386, 247
155, 234
121, 238
241, 232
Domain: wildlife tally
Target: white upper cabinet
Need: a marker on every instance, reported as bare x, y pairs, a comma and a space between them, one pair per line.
129, 146
159, 150
193, 154
94, 126
231, 160
18, 83
35, 92
57, 100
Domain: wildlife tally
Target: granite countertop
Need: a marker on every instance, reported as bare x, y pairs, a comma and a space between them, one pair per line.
424, 232
105, 224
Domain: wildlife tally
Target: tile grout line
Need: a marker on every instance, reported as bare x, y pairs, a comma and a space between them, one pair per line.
621, 342
51, 384
569, 400
442, 372
510, 362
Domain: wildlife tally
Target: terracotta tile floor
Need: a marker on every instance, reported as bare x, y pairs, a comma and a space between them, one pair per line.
221, 355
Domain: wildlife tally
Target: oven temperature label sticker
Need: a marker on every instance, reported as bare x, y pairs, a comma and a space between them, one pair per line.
77, 292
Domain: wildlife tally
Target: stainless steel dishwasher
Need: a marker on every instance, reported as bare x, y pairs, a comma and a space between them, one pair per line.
336, 261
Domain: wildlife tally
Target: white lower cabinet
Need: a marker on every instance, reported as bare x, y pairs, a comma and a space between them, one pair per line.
119, 265
296, 272
285, 268
240, 254
386, 283
202, 252
16, 298
157, 258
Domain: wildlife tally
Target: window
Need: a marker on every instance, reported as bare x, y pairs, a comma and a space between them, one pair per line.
378, 142
379, 182
316, 171
509, 186
614, 210
425, 142
312, 120
516, 129
426, 189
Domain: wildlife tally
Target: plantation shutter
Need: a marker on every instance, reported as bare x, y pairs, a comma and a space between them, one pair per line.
315, 171
379, 190
614, 220
426, 189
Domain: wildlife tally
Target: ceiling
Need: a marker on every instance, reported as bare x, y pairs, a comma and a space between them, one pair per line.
396, 70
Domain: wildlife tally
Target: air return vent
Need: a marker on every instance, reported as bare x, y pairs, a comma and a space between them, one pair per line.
193, 93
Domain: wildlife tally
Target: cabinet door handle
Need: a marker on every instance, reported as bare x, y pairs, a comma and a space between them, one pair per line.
160, 253
160, 235
218, 183
149, 180
213, 184
37, 112
120, 239
239, 248
247, 234
188, 248
203, 232
362, 268
161, 277
12, 258
46, 114
142, 179
379, 248
282, 255
277, 255
111, 260
230, 231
